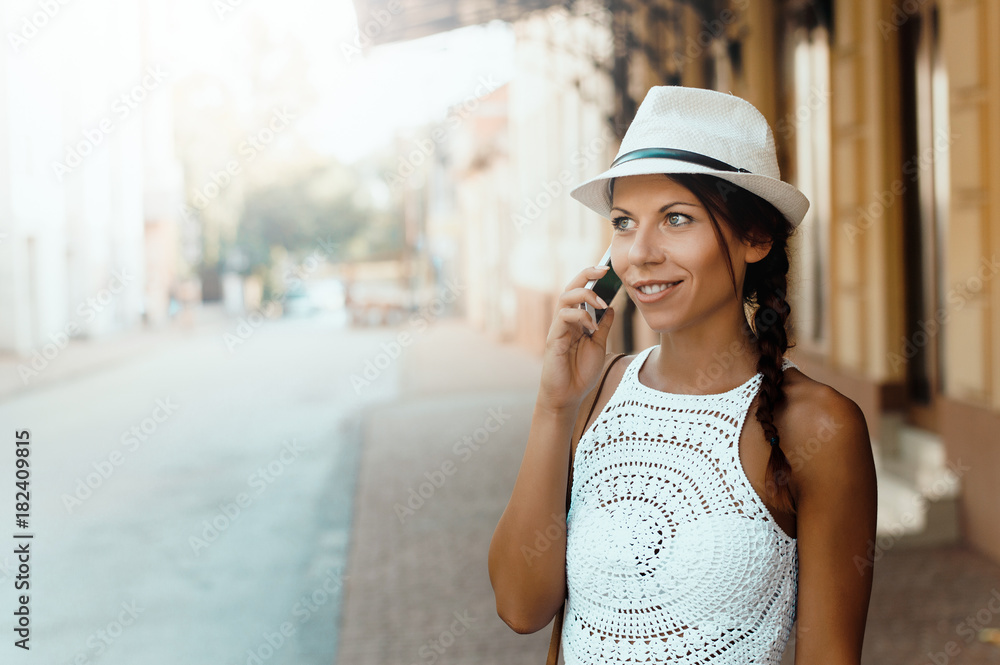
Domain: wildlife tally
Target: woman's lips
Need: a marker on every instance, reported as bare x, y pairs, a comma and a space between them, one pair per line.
644, 298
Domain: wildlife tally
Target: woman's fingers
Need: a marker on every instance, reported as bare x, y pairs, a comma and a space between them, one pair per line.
585, 275
576, 291
577, 315
601, 334
575, 297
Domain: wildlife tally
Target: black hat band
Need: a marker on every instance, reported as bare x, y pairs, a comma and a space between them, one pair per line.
677, 153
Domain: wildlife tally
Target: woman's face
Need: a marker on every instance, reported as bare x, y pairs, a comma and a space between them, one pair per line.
662, 234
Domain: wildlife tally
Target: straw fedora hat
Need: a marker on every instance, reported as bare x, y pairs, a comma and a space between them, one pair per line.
693, 130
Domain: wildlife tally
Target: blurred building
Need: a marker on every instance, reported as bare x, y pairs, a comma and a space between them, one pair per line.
470, 216
89, 185
885, 115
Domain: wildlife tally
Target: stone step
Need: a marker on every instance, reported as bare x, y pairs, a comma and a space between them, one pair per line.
918, 492
922, 461
907, 517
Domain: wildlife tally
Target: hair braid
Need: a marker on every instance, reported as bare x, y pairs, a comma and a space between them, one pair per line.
764, 285
767, 282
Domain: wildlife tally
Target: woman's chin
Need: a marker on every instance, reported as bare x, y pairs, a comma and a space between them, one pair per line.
661, 324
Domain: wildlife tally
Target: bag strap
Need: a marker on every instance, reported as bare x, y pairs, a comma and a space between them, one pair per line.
555, 640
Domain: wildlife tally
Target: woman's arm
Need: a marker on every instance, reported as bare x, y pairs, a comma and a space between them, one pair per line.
837, 501
527, 560
528, 552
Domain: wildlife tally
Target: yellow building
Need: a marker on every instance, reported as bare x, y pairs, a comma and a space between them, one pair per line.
886, 115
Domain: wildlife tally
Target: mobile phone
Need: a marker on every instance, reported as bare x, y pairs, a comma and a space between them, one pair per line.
606, 288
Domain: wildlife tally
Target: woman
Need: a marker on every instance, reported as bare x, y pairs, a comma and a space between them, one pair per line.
718, 494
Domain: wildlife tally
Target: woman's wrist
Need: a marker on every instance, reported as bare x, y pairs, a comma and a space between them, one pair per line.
555, 410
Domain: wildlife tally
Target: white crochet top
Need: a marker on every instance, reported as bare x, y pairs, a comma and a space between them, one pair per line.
671, 555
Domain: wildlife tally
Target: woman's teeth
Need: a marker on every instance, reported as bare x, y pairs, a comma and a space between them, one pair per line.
655, 288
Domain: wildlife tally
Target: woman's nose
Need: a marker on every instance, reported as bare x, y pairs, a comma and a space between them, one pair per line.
646, 247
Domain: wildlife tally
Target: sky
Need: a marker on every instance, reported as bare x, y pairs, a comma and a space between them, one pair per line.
409, 83
364, 98
360, 99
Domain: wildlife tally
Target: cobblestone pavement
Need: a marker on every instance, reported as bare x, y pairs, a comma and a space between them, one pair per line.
434, 480
929, 604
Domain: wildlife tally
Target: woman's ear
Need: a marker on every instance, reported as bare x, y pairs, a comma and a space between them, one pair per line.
756, 251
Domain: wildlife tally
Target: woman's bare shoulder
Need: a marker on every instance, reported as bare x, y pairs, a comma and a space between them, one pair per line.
816, 420
803, 393
807, 400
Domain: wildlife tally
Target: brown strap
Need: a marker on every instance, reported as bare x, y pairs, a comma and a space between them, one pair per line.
555, 640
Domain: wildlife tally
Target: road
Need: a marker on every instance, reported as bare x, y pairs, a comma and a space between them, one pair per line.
193, 504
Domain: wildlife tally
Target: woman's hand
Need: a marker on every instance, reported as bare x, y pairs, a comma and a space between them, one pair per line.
573, 358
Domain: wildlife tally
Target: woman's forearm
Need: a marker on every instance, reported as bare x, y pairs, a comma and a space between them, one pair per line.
527, 558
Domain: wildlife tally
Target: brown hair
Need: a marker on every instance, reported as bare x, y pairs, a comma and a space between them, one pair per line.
764, 289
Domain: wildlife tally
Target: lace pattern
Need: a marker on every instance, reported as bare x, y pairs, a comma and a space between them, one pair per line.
671, 555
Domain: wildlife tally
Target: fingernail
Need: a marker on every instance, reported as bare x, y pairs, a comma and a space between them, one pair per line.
601, 300
602, 267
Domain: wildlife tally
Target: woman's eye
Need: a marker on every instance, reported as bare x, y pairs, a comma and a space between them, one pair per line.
672, 218
618, 222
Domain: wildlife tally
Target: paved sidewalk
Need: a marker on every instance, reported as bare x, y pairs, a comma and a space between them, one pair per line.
427, 502
80, 357
418, 590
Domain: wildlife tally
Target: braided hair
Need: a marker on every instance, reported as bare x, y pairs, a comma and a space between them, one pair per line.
764, 290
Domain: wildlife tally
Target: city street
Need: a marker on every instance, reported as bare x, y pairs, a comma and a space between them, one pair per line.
278, 283
191, 504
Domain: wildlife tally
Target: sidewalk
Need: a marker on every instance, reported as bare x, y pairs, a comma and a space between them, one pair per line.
433, 482
80, 357
429, 496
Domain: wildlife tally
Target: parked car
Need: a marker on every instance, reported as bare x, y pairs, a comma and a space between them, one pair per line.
315, 297
383, 302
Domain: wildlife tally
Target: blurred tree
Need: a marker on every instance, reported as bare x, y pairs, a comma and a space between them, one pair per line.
324, 208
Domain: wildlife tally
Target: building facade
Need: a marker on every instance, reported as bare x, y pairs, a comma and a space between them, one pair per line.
89, 184
886, 117
885, 114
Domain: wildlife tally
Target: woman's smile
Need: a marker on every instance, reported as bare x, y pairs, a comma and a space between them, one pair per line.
651, 293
